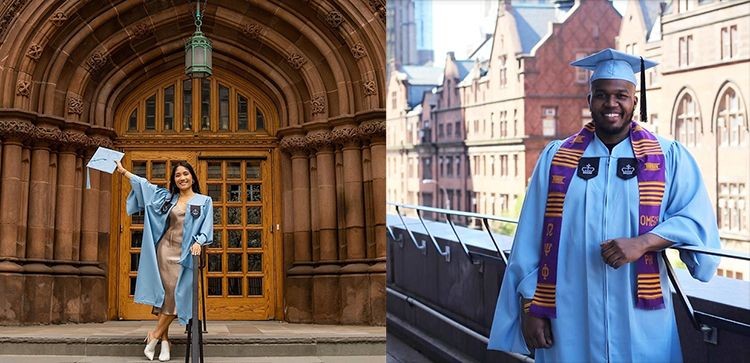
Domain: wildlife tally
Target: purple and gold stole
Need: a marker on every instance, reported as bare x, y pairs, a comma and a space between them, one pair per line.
651, 182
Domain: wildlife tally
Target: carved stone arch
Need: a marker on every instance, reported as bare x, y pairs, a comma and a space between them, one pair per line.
287, 98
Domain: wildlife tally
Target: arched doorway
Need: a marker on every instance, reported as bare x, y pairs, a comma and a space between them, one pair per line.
242, 272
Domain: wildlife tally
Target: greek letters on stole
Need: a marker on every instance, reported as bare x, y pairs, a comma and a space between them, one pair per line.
651, 183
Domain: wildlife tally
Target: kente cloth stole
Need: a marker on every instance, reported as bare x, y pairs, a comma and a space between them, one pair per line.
651, 183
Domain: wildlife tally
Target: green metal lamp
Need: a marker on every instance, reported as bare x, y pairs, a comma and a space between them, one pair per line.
198, 50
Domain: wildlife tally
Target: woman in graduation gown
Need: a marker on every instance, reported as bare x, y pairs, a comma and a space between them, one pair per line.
177, 222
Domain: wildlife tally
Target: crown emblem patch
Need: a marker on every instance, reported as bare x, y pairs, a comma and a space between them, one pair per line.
588, 168
627, 168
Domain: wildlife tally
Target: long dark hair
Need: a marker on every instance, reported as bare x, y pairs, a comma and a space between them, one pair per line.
173, 186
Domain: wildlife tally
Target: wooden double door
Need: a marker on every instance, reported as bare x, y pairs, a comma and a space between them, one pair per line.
239, 278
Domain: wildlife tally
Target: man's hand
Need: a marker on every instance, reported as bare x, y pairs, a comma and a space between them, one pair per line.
620, 251
536, 331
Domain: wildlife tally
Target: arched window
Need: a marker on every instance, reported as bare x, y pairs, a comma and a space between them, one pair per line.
687, 121
731, 120
179, 106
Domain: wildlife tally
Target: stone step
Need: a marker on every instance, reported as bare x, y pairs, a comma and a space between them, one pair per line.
141, 359
215, 346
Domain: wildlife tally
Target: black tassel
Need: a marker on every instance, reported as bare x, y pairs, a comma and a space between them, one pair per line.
644, 117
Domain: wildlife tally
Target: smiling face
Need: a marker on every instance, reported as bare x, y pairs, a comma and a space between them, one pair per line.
183, 179
612, 102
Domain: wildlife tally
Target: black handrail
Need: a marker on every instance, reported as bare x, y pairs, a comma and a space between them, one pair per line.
699, 320
194, 346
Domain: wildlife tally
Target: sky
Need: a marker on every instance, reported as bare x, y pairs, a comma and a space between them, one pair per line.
458, 25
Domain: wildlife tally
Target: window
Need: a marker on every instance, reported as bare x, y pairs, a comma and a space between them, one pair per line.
449, 165
582, 75
726, 52
441, 166
170, 107
549, 121
732, 210
503, 72
441, 130
515, 164
515, 123
449, 130
687, 123
685, 51
504, 165
458, 128
426, 168
731, 120
393, 100
492, 165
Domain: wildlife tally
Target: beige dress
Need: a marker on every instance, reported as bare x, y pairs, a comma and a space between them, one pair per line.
168, 254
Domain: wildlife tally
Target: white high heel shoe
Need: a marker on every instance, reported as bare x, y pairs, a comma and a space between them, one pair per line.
164, 354
150, 349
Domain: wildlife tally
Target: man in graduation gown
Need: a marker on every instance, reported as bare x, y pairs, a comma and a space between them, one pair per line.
585, 281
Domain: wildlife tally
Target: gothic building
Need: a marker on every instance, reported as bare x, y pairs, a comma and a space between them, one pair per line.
287, 135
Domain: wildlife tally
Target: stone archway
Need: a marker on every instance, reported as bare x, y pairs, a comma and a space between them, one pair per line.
70, 65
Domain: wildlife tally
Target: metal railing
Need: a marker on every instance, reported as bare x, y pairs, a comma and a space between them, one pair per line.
701, 321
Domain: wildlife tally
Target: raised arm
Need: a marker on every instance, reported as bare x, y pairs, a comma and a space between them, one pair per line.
120, 169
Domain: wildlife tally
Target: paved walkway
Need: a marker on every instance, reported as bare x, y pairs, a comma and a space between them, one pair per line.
226, 341
217, 331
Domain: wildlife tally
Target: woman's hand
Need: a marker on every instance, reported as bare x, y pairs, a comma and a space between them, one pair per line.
120, 169
195, 249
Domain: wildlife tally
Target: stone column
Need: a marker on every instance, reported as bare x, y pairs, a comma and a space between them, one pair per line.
90, 222
38, 276
355, 306
39, 206
299, 284
66, 301
65, 211
11, 279
353, 192
326, 303
375, 131
10, 198
326, 178
23, 205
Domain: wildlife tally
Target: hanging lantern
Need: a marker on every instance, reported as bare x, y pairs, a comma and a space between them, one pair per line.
198, 51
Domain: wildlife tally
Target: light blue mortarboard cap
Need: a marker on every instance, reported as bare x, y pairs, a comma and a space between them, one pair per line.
613, 64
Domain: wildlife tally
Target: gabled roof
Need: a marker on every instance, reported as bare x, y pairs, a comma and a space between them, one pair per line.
532, 23
422, 75
464, 67
419, 79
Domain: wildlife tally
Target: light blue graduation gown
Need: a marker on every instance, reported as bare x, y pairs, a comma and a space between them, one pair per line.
149, 197
597, 320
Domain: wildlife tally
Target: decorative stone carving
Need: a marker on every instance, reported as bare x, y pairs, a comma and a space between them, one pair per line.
59, 18
334, 19
296, 60
345, 135
75, 105
34, 52
318, 105
75, 138
378, 6
294, 144
97, 61
10, 13
359, 51
253, 30
45, 134
23, 88
264, 142
140, 30
101, 140
370, 88
319, 139
372, 128
15, 129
